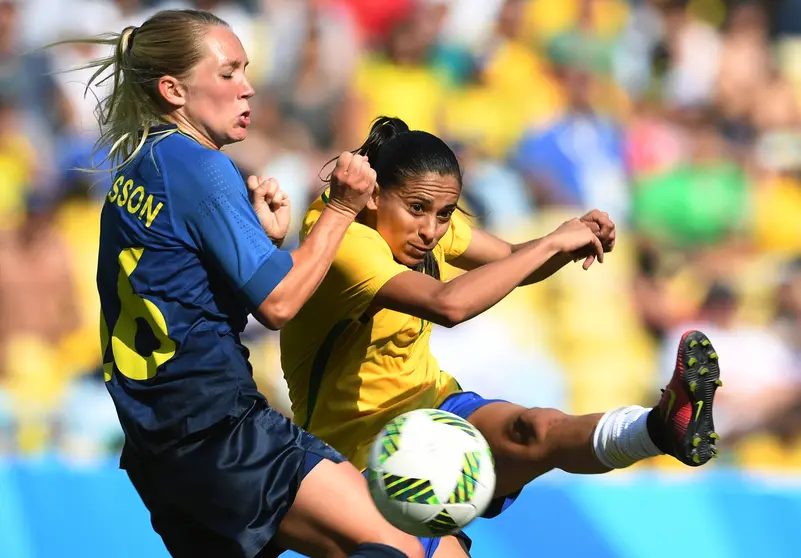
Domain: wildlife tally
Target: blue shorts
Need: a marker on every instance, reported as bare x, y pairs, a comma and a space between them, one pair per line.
225, 491
464, 404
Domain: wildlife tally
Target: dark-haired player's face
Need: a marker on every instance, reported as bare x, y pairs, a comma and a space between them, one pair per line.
218, 90
414, 216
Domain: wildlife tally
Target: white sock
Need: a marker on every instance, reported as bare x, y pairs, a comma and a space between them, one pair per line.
621, 437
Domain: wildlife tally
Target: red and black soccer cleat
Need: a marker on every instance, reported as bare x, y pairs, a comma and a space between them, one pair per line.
682, 422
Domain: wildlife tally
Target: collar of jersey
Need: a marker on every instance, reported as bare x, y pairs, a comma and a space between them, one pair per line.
163, 128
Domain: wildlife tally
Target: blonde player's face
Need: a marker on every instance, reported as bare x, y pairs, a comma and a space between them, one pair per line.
413, 217
217, 90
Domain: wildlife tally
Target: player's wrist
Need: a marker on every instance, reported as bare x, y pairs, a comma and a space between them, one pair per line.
340, 211
549, 245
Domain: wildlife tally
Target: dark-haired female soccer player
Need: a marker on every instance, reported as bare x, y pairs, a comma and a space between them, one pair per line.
357, 354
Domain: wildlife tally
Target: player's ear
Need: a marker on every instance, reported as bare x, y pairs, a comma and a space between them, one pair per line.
372, 203
172, 90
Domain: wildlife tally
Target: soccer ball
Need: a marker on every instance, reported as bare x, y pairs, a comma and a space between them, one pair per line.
431, 473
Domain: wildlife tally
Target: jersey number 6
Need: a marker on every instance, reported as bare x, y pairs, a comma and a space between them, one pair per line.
133, 311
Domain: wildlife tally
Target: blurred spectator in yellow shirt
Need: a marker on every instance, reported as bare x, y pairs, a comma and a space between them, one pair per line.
16, 163
401, 81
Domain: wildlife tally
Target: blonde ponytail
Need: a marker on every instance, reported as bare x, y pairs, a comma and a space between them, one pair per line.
169, 43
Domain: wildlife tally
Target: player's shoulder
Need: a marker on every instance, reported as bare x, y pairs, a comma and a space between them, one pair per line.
186, 164
182, 153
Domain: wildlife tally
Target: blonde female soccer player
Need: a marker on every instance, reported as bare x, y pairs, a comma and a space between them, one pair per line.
357, 354
187, 250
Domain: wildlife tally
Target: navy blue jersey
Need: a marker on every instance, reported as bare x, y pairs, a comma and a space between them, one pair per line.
183, 259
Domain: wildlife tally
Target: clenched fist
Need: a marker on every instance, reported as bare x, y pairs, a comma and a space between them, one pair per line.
352, 184
271, 205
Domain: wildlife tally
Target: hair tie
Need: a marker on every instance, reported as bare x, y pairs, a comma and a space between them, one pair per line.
131, 39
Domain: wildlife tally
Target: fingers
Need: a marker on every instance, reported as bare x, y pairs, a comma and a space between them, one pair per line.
593, 226
352, 169
607, 233
343, 161
252, 183
262, 187
355, 165
350, 164
601, 218
599, 248
611, 240
600, 223
597, 253
281, 199
271, 188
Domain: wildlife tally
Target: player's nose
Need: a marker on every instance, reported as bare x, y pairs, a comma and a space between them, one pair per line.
247, 90
427, 230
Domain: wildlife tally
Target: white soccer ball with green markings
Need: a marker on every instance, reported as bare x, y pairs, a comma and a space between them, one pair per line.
431, 473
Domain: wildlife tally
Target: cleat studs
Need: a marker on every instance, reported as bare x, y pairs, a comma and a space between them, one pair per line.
693, 385
713, 356
696, 441
714, 456
693, 344
714, 436
703, 371
705, 343
719, 382
696, 458
692, 362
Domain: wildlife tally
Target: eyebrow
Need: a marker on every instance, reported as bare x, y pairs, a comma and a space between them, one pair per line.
234, 64
421, 197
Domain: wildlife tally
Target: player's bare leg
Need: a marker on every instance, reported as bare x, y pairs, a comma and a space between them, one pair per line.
333, 514
529, 442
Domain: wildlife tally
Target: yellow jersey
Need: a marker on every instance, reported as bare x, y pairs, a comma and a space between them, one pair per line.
350, 368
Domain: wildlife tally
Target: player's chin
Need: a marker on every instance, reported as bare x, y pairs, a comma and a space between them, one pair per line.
410, 260
238, 133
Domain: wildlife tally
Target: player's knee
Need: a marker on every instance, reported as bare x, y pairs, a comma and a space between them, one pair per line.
531, 428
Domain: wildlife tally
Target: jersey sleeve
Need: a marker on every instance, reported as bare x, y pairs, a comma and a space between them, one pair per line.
213, 205
364, 264
457, 239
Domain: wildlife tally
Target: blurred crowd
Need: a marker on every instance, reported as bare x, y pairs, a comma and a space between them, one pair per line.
680, 118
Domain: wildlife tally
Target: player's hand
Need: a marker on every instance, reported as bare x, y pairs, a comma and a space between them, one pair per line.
352, 184
271, 205
576, 238
599, 222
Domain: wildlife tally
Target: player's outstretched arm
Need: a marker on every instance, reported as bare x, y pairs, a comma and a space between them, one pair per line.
352, 184
474, 292
486, 248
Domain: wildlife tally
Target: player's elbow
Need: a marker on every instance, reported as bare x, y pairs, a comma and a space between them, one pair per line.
450, 313
274, 315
